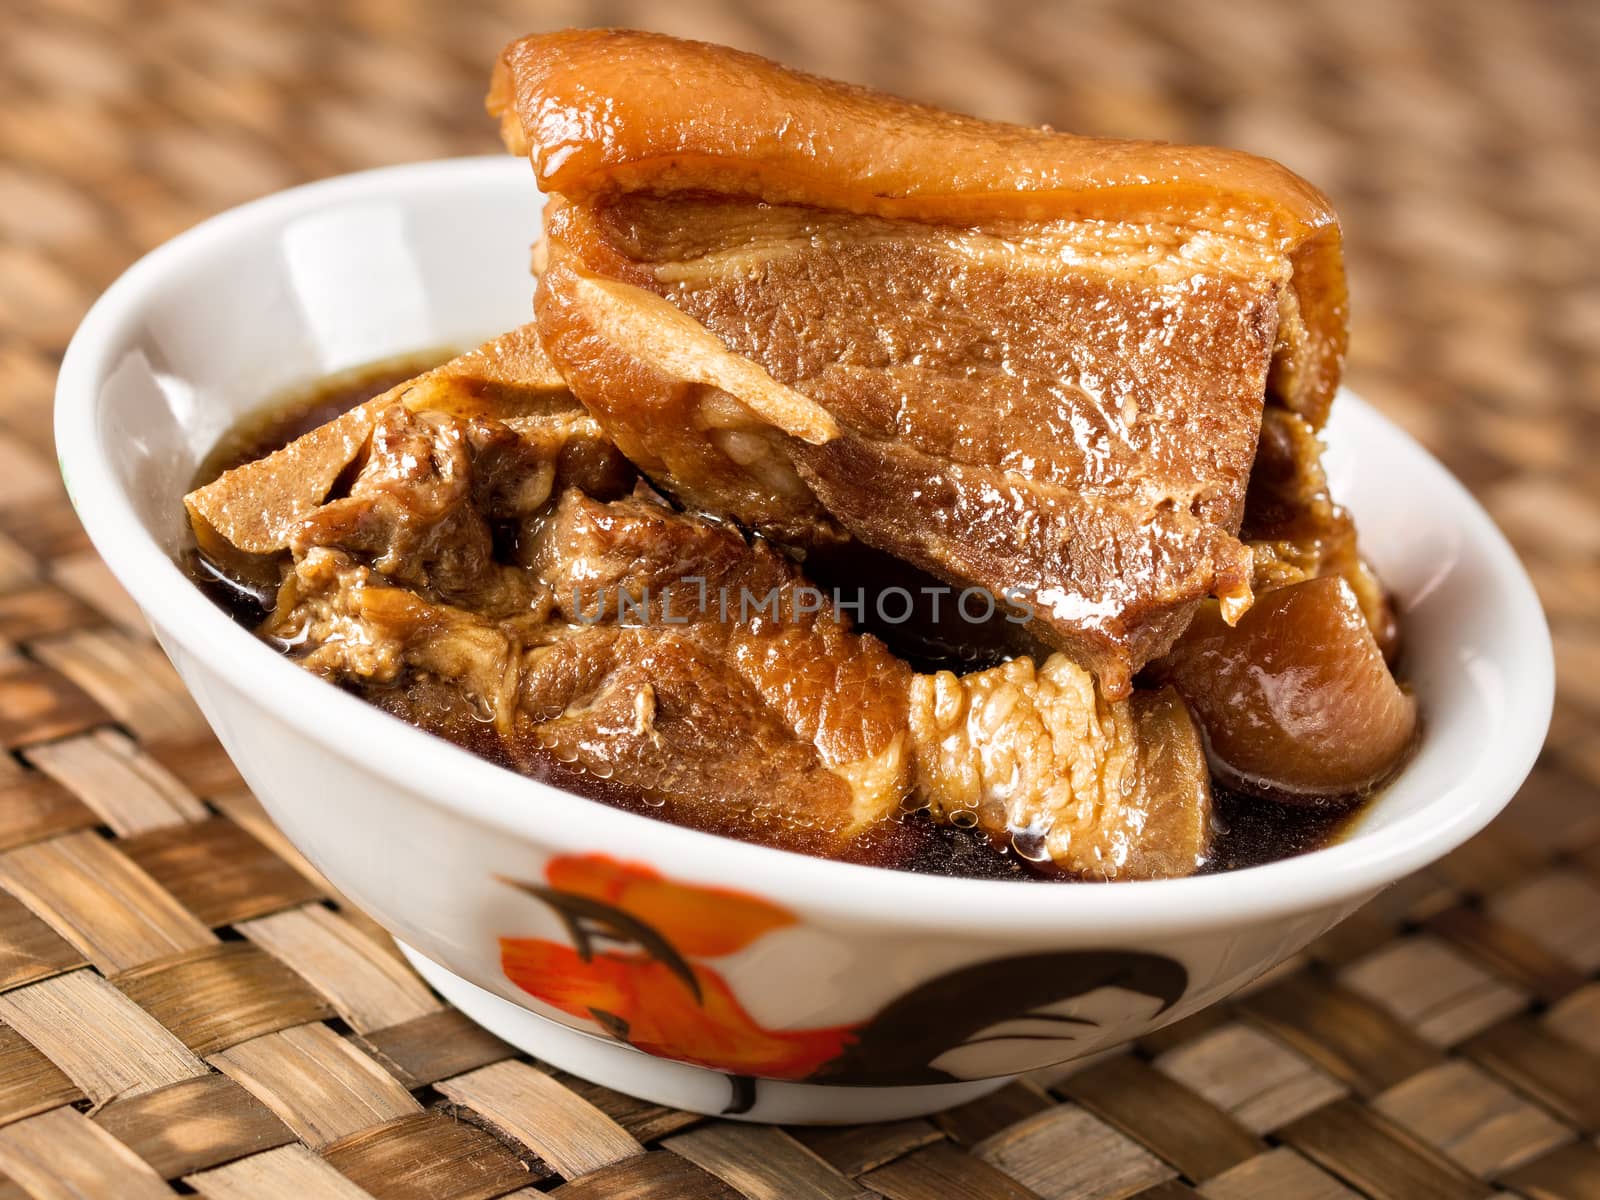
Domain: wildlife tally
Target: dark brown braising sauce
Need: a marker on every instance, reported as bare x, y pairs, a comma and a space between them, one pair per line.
1249, 829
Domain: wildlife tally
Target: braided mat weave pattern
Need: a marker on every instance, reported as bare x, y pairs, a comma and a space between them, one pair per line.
186, 1007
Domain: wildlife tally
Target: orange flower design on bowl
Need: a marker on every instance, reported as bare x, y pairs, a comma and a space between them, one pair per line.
636, 967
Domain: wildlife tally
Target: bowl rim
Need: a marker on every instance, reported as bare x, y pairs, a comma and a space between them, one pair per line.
450, 777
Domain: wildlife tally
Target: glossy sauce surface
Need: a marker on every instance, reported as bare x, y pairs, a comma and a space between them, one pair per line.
1249, 829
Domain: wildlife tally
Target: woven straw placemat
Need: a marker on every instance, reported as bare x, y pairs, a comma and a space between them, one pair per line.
185, 1005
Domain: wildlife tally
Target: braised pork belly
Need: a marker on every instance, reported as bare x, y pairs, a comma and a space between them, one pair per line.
1022, 360
795, 342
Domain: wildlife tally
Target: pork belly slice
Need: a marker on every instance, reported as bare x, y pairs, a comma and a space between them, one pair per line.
254, 511
655, 718
607, 111
786, 734
636, 563
1017, 359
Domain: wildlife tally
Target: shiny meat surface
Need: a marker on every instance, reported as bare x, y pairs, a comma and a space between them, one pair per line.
1297, 698
1042, 458
253, 509
606, 111
1042, 763
658, 713
690, 667
704, 604
411, 506
1051, 394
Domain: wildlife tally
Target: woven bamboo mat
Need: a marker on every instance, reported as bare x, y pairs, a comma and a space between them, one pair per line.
184, 1006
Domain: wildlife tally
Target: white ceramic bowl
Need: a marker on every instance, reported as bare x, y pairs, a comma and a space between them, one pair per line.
854, 993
